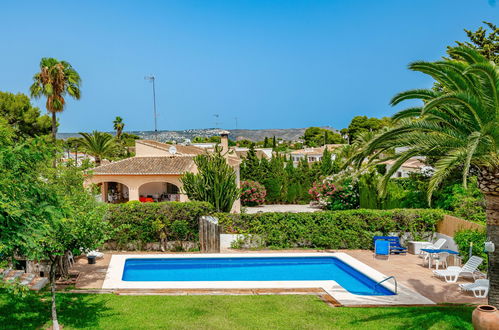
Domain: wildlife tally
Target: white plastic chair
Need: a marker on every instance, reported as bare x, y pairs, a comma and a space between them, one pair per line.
440, 259
480, 288
452, 273
71, 259
435, 246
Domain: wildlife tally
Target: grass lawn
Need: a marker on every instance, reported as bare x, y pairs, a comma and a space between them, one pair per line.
105, 311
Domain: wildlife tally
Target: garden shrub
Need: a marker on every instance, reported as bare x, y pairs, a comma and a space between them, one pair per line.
252, 193
464, 203
350, 229
464, 238
335, 197
140, 223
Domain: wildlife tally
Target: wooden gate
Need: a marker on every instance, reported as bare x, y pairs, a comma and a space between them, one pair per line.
209, 234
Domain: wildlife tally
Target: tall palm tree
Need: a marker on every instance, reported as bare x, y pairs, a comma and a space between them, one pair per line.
458, 125
55, 80
118, 126
97, 144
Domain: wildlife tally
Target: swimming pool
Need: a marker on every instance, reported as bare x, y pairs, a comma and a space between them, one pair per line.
227, 269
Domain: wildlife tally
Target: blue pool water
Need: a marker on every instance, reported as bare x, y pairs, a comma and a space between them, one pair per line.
252, 269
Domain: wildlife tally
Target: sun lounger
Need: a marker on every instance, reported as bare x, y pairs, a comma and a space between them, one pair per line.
435, 246
452, 273
480, 288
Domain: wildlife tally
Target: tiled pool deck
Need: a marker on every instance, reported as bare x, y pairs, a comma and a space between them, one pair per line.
408, 270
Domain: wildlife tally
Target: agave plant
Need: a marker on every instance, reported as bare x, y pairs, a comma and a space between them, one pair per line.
458, 125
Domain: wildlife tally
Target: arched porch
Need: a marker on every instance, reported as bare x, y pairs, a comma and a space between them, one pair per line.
158, 187
114, 192
159, 192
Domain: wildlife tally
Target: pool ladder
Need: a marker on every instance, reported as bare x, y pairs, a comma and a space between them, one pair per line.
386, 279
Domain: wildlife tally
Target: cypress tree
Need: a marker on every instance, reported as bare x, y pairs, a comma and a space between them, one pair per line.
326, 162
250, 167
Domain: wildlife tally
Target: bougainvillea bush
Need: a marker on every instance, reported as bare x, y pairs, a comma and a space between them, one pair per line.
252, 193
335, 197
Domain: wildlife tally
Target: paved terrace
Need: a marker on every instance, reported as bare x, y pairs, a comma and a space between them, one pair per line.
408, 270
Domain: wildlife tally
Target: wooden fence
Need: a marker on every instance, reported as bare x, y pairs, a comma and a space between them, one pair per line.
209, 234
450, 225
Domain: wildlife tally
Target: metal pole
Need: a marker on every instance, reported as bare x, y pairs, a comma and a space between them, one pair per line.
154, 101
152, 78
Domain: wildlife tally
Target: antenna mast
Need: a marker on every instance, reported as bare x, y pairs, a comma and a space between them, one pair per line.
152, 79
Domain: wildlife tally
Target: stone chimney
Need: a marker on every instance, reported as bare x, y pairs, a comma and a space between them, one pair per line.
224, 142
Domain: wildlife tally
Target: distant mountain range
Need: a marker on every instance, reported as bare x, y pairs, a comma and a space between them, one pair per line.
289, 134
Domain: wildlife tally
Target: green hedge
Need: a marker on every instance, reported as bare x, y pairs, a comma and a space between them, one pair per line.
350, 229
464, 238
140, 223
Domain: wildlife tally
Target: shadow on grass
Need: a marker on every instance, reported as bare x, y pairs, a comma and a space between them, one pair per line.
442, 317
33, 311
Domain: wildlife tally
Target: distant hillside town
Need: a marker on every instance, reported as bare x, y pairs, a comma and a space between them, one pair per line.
183, 136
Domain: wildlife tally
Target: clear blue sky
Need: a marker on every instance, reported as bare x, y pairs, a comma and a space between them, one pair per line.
272, 64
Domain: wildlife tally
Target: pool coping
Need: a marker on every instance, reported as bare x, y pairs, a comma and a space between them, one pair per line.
405, 296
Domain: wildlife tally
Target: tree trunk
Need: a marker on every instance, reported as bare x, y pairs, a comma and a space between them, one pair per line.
97, 161
488, 181
53, 266
63, 265
54, 126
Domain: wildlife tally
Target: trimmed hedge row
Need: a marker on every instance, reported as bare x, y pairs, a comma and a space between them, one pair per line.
350, 229
140, 223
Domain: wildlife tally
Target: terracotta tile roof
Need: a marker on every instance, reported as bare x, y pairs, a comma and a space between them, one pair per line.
146, 165
181, 149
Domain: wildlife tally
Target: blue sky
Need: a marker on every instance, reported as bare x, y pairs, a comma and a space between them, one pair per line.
271, 64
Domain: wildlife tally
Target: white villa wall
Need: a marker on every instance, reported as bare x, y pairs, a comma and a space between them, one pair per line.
142, 150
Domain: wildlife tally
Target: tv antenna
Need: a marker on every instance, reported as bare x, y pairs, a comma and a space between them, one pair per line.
152, 79
217, 122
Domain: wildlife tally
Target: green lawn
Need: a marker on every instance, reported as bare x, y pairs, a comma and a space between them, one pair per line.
80, 311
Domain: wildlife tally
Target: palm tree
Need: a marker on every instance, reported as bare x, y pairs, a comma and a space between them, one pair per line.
97, 144
55, 80
118, 126
458, 125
